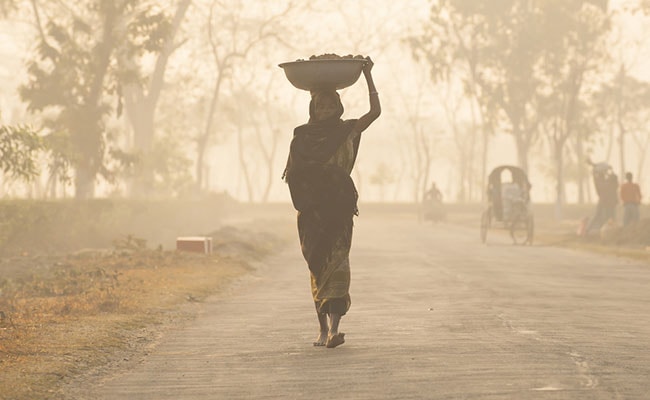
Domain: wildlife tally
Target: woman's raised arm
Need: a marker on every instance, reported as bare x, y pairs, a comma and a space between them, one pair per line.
375, 107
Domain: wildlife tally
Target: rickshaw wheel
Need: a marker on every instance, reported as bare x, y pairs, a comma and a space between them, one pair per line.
485, 225
521, 229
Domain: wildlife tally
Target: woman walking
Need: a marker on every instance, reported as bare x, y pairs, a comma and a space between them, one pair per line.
321, 158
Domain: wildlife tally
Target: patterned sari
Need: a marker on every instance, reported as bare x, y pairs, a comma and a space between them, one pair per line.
321, 158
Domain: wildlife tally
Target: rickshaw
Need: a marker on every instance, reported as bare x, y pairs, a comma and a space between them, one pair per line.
509, 205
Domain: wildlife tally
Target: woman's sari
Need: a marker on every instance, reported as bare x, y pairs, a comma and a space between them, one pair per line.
321, 158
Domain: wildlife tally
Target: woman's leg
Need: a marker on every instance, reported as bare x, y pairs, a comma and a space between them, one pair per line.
335, 338
324, 329
335, 319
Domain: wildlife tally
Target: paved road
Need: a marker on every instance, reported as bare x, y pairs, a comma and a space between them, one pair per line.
435, 315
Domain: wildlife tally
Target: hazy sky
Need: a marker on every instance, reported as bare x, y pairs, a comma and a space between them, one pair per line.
399, 80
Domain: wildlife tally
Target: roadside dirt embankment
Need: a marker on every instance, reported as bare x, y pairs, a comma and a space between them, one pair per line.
67, 315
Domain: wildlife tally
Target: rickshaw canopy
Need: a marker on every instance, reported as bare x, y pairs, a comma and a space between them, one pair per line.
495, 182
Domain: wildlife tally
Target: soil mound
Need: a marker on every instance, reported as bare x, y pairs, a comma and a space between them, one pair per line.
243, 243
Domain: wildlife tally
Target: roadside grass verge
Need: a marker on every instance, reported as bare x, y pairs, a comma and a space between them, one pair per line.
91, 311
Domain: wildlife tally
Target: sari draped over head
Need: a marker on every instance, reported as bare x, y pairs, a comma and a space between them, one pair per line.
321, 157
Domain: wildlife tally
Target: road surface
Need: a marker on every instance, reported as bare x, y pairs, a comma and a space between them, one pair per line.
435, 315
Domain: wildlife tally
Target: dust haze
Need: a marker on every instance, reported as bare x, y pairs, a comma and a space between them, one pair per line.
502, 241
193, 101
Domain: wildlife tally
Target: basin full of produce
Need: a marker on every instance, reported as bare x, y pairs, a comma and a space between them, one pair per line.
324, 72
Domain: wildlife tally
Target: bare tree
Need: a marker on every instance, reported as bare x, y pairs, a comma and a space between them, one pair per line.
567, 59
231, 38
268, 134
382, 176
455, 45
417, 136
464, 138
628, 97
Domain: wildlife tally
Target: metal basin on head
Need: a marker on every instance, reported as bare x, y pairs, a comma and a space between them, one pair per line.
316, 75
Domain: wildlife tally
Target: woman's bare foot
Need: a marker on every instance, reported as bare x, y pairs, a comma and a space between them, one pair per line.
335, 340
322, 339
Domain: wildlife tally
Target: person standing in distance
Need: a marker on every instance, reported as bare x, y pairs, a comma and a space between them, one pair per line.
631, 197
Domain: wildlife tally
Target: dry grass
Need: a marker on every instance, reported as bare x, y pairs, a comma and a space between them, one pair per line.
563, 233
85, 309
594, 245
66, 317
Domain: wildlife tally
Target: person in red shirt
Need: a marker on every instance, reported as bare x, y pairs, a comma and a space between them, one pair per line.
631, 197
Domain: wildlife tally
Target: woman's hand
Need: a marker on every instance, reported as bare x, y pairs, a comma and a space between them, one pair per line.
375, 107
367, 67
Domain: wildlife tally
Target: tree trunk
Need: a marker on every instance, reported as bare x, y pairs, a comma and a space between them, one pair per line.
621, 123
621, 150
471, 170
559, 176
461, 179
426, 148
398, 183
203, 138
141, 108
400, 175
581, 168
141, 115
84, 183
642, 157
484, 157
201, 145
522, 150
244, 165
89, 135
417, 167
269, 153
269, 159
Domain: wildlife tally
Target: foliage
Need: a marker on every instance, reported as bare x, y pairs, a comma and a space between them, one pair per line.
143, 94
627, 95
457, 46
645, 6
526, 64
22, 150
511, 54
167, 161
75, 74
18, 148
8, 6
171, 168
59, 155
